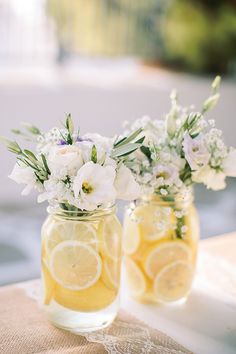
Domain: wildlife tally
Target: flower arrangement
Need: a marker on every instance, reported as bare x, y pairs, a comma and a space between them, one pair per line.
73, 171
183, 149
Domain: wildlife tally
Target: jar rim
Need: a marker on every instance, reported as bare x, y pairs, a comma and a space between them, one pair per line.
186, 197
81, 215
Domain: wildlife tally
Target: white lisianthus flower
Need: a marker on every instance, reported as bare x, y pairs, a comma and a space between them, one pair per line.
94, 185
229, 163
166, 175
64, 160
213, 179
196, 152
126, 186
24, 175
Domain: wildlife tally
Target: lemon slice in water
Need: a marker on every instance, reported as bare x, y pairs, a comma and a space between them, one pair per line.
135, 278
111, 273
70, 230
75, 265
110, 233
173, 282
164, 254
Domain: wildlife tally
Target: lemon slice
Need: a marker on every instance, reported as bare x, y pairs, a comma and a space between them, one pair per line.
111, 274
131, 236
173, 282
164, 254
69, 230
135, 278
95, 298
110, 233
48, 284
84, 232
155, 222
75, 265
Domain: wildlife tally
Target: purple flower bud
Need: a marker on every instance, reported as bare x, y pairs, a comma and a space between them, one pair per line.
62, 142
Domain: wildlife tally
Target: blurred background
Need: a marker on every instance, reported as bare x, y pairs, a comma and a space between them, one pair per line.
107, 61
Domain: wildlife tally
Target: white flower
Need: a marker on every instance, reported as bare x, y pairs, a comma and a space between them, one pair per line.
195, 150
229, 163
126, 186
94, 185
24, 175
166, 174
213, 179
65, 160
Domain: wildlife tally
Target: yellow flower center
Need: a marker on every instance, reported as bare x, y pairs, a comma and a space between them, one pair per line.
86, 188
163, 174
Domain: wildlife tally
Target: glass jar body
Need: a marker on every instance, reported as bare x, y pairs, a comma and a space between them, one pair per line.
160, 243
81, 262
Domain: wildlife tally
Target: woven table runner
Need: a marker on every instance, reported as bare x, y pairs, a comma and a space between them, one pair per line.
24, 329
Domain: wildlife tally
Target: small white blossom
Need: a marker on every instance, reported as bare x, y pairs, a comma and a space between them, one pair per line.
184, 228
163, 191
195, 150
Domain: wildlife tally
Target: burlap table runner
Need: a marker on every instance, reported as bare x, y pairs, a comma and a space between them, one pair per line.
24, 329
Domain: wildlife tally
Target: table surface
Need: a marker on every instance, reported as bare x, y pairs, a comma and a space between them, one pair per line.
206, 323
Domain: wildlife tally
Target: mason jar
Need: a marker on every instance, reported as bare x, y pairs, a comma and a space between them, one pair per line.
81, 262
160, 241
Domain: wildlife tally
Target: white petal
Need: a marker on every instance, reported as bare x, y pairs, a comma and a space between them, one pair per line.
125, 184
229, 164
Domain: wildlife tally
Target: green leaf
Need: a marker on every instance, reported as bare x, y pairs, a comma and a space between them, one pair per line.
119, 142
94, 154
45, 164
146, 151
27, 163
179, 224
16, 131
125, 149
30, 155
129, 138
140, 141
31, 128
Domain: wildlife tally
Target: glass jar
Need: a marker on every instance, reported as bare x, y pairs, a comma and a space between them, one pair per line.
81, 262
160, 243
